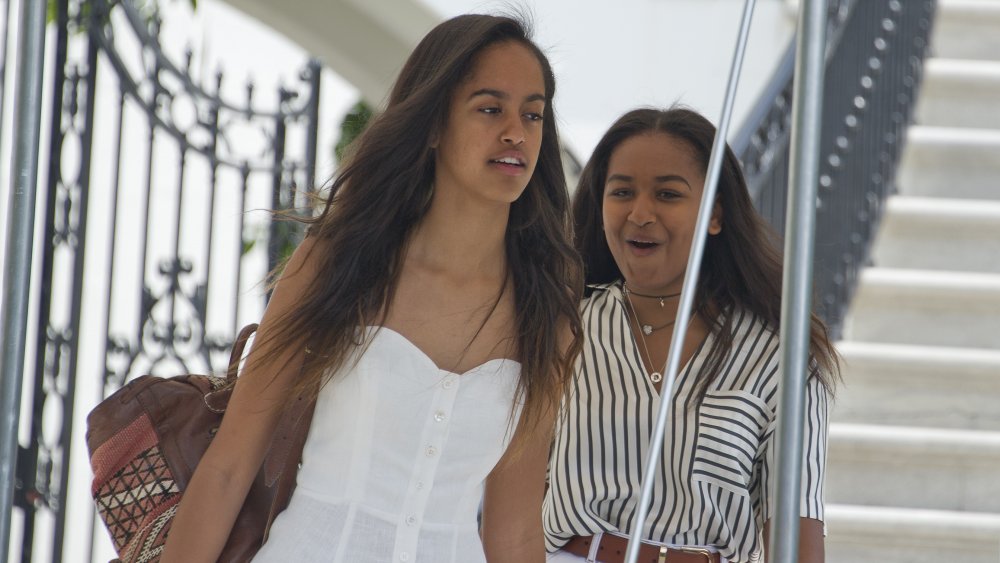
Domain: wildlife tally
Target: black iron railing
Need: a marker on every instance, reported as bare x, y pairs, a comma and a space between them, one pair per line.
875, 55
153, 177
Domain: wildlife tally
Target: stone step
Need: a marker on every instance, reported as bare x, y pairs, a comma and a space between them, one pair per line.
915, 438
967, 29
951, 162
865, 534
918, 386
926, 468
925, 307
960, 93
939, 234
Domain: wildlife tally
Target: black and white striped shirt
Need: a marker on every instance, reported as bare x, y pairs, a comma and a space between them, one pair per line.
715, 486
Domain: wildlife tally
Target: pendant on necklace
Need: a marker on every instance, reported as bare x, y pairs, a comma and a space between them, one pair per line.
655, 377
647, 329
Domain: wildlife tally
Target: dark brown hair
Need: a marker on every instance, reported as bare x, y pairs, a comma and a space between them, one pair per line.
741, 266
384, 190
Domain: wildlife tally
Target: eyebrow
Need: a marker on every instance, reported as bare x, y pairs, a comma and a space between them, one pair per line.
499, 94
658, 179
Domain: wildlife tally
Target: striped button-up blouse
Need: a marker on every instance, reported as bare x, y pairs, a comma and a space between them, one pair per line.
715, 485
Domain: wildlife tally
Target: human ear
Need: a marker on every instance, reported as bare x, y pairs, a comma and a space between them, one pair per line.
715, 224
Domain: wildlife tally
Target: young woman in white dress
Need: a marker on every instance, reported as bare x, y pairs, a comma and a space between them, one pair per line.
437, 293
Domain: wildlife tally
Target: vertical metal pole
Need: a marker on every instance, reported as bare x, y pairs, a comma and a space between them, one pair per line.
278, 231
688, 288
17, 262
796, 302
312, 114
3, 54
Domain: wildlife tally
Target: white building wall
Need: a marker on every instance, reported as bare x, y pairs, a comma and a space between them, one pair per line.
610, 57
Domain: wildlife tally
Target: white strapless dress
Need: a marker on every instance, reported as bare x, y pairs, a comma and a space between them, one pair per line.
395, 462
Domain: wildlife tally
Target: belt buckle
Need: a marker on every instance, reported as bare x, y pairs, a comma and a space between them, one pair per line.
707, 554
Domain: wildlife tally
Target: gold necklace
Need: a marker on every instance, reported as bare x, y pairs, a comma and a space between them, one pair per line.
654, 376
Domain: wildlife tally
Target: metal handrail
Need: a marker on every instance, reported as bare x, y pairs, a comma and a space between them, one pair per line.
686, 303
796, 298
17, 257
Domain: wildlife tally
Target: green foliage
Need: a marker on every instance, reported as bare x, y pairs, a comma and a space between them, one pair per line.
248, 244
352, 126
286, 231
287, 234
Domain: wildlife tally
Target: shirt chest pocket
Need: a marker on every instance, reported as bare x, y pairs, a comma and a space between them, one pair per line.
730, 427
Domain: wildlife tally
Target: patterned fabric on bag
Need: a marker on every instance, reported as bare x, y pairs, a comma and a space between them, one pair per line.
135, 492
147, 438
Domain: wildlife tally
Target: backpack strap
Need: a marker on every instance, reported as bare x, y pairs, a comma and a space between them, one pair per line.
281, 465
236, 355
283, 461
285, 453
289, 439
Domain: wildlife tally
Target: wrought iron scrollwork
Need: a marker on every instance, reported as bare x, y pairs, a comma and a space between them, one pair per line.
153, 177
203, 124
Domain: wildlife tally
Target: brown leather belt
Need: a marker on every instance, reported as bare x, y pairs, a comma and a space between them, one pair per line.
611, 549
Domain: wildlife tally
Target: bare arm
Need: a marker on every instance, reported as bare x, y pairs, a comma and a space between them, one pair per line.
811, 548
811, 544
512, 504
220, 483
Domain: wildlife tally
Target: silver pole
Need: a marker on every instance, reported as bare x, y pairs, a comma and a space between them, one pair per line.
690, 282
796, 301
17, 263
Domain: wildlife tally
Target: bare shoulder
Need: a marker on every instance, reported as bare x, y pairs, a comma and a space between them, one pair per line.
295, 281
262, 386
303, 265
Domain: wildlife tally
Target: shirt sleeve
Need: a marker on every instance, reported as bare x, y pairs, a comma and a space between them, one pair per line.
814, 449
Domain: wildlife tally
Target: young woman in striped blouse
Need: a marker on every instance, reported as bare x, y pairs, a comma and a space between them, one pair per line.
635, 212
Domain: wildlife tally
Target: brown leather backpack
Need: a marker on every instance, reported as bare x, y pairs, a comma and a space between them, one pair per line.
145, 441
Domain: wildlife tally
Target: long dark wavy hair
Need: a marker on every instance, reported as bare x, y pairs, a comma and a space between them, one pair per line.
384, 190
741, 266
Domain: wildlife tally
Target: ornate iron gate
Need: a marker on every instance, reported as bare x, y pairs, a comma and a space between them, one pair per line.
151, 247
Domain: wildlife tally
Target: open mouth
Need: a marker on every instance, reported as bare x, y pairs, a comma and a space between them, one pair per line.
508, 161
642, 244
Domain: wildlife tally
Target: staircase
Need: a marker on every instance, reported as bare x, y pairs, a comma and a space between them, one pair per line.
914, 462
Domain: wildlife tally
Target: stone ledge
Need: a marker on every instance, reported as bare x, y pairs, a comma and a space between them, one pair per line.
897, 524
918, 386
953, 136
959, 93
962, 70
934, 446
905, 358
892, 285
930, 210
950, 163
